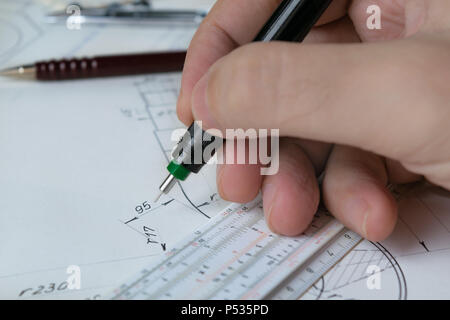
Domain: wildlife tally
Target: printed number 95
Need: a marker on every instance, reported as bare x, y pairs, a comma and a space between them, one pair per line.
143, 207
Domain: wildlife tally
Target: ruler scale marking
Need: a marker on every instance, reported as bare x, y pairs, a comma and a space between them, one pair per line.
173, 253
294, 288
235, 232
286, 267
236, 256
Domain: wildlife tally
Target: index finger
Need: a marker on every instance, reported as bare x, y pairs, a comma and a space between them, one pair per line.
230, 23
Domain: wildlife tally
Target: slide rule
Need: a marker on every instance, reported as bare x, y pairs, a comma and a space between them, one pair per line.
236, 256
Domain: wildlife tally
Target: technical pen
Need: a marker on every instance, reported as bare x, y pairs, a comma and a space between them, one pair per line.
291, 21
101, 66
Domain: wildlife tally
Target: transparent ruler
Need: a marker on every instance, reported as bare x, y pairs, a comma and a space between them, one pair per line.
236, 256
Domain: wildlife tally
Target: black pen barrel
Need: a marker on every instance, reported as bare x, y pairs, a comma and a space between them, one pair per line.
292, 20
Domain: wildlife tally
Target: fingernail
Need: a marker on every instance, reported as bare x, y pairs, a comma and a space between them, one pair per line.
180, 98
269, 201
200, 108
356, 213
220, 172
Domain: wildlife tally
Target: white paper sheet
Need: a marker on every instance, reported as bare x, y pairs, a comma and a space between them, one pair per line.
413, 262
77, 158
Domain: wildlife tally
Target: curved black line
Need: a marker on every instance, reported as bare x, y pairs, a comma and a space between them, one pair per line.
18, 41
322, 288
399, 269
167, 158
393, 266
189, 200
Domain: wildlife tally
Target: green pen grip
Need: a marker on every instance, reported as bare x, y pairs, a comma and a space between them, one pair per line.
178, 171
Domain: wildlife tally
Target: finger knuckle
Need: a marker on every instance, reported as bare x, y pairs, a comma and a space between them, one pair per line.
424, 76
240, 82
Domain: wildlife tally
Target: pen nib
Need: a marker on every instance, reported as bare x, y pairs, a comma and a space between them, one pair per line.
9, 72
158, 197
165, 187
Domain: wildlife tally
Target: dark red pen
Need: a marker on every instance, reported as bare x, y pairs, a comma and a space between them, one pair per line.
101, 66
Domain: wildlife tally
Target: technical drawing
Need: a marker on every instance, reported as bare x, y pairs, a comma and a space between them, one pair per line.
159, 94
351, 272
78, 212
420, 202
17, 30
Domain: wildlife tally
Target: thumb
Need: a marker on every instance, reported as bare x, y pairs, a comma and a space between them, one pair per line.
389, 98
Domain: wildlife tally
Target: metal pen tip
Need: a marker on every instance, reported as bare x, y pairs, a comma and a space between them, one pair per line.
18, 71
165, 187
158, 197
9, 72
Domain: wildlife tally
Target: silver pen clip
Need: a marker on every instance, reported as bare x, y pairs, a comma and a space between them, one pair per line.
129, 12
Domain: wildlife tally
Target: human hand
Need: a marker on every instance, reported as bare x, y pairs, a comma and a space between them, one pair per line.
383, 103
